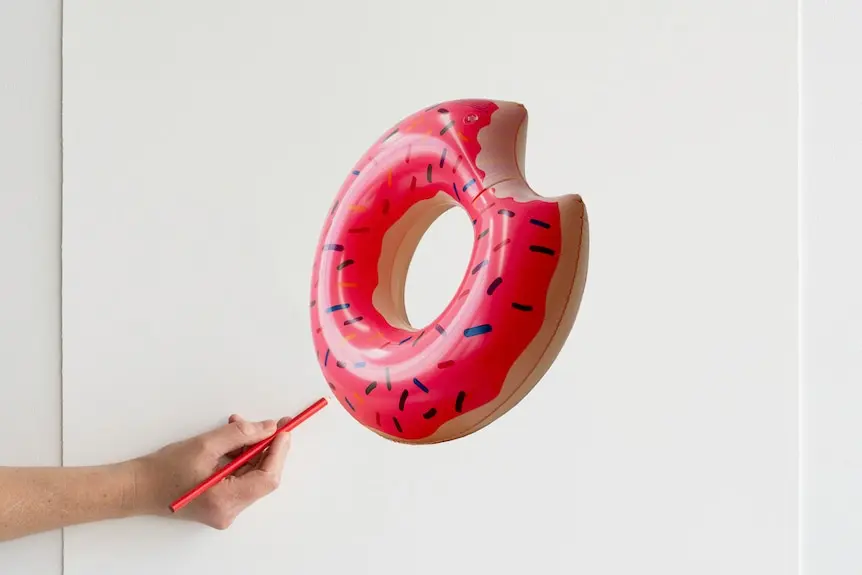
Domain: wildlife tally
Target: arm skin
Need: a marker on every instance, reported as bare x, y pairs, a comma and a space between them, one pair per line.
41, 499
36, 499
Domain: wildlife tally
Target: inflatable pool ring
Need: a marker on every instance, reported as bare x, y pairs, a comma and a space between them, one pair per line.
516, 303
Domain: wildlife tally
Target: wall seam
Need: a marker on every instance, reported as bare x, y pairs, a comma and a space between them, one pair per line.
62, 165
800, 283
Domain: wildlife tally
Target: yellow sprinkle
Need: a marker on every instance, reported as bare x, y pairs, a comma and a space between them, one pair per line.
347, 284
356, 208
389, 179
463, 137
358, 397
349, 336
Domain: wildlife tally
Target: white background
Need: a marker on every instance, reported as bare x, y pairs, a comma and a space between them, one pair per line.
831, 287
30, 256
204, 143
663, 440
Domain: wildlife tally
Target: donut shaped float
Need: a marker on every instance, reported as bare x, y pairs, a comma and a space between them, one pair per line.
516, 303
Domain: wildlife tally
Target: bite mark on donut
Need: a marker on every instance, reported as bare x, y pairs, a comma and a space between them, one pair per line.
507, 191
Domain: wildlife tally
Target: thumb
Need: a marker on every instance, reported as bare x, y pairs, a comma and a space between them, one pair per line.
238, 434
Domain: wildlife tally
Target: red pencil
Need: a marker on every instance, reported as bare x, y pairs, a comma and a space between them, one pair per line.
246, 456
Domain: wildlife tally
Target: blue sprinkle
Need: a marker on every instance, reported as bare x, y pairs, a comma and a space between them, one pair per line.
494, 285
350, 404
467, 185
355, 172
338, 307
333, 248
405, 340
419, 384
542, 250
440, 329
459, 401
477, 330
326, 358
540, 223
455, 189
359, 364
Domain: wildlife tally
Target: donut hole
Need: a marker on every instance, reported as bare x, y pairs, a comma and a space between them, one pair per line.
438, 266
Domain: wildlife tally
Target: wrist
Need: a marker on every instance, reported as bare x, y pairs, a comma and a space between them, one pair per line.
140, 491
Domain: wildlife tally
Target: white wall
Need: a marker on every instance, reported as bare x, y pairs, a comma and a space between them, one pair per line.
30, 256
832, 284
205, 140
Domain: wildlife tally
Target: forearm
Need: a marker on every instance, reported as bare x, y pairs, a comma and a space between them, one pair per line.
34, 499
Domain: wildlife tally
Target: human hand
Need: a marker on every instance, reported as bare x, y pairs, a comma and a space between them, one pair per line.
163, 476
